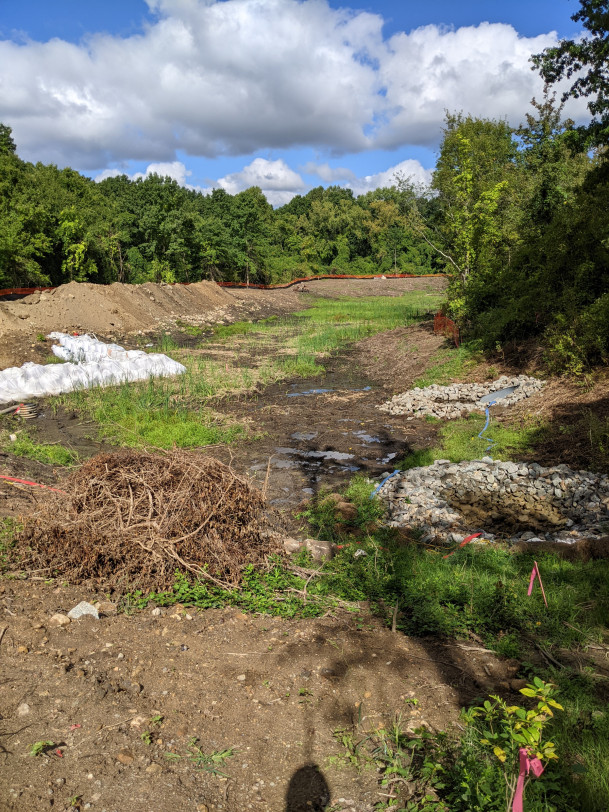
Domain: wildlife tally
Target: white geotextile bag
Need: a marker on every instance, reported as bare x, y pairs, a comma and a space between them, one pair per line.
99, 365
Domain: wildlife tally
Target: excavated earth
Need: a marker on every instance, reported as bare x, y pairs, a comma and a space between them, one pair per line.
116, 702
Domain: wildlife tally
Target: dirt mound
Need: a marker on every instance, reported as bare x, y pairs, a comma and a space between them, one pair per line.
115, 308
131, 519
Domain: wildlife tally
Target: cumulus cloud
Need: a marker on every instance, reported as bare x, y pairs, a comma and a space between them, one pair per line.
278, 182
328, 173
407, 169
211, 77
482, 70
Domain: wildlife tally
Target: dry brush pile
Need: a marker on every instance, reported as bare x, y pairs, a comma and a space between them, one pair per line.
131, 519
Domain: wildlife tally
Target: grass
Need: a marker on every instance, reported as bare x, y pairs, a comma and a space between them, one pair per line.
48, 453
449, 364
459, 441
482, 590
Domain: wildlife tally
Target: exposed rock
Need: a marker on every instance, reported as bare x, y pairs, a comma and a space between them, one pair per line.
319, 549
520, 501
83, 608
450, 402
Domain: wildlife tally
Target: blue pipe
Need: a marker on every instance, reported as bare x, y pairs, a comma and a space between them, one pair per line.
491, 443
380, 485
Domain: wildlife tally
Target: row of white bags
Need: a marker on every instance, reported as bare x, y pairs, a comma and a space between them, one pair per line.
97, 364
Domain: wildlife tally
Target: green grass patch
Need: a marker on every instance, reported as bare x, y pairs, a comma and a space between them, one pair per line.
459, 441
160, 413
332, 324
49, 453
450, 364
189, 329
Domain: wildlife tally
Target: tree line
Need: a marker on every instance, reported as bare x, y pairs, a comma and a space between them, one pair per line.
518, 218
57, 225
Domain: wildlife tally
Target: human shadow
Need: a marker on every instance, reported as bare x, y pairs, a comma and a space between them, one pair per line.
308, 790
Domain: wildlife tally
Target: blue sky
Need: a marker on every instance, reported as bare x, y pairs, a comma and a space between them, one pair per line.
286, 94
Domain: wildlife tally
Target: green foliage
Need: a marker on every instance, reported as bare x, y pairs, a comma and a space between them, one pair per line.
459, 441
450, 364
208, 762
24, 446
586, 60
506, 729
38, 748
57, 226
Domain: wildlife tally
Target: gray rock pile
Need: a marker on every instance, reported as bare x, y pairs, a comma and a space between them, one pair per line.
449, 402
517, 501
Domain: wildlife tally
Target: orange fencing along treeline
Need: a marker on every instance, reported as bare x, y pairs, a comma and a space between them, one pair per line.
26, 291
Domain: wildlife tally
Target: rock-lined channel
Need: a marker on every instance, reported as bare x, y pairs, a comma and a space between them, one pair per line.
449, 402
519, 501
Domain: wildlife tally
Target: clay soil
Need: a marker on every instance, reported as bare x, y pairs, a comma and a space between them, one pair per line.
122, 698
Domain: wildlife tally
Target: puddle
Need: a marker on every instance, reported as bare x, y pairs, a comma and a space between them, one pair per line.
389, 457
324, 391
337, 456
309, 392
367, 438
303, 435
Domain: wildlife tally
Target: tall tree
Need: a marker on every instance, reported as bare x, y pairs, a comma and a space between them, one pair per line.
588, 61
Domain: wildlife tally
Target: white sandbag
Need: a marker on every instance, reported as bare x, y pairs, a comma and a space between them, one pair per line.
98, 364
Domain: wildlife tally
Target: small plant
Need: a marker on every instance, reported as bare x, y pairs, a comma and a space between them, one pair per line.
506, 730
41, 337
146, 737
38, 748
210, 762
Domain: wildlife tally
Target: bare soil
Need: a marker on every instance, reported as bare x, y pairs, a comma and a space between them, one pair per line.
272, 690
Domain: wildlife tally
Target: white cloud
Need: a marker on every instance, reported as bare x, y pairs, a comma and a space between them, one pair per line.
408, 169
278, 182
211, 77
205, 77
327, 173
483, 71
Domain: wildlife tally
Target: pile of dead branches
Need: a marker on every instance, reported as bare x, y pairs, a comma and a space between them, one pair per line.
131, 519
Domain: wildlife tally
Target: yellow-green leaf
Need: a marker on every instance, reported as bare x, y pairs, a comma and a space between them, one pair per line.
555, 704
499, 753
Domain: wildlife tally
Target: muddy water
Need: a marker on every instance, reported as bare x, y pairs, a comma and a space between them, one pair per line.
318, 433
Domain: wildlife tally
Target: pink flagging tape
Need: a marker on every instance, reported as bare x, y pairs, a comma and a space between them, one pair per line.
535, 574
34, 484
527, 764
463, 543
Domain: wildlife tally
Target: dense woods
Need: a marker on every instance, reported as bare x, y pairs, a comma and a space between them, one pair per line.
57, 225
517, 218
